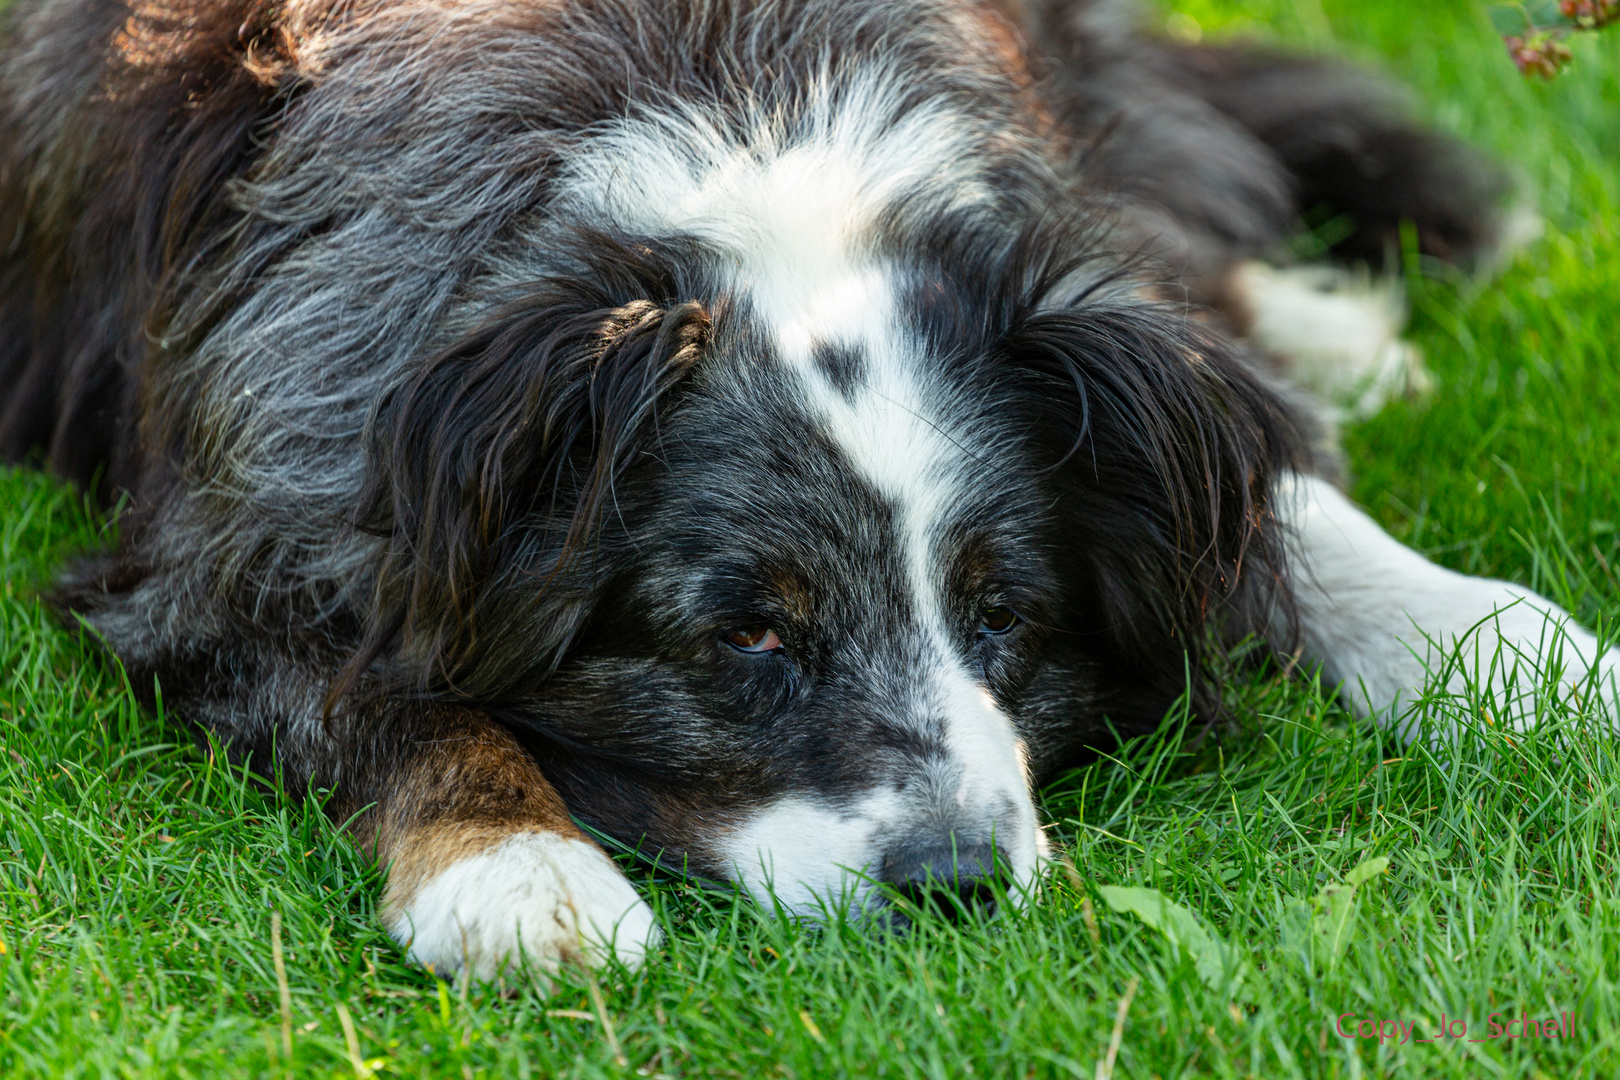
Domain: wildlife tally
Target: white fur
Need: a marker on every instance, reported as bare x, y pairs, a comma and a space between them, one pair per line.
791, 205
807, 853
1340, 333
1381, 619
552, 897
1521, 226
787, 192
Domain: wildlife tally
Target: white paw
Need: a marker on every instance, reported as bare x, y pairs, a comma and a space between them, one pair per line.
1340, 333
550, 898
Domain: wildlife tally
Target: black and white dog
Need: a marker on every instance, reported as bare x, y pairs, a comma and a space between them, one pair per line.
774, 433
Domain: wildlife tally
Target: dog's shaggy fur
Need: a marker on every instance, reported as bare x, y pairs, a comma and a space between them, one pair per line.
775, 433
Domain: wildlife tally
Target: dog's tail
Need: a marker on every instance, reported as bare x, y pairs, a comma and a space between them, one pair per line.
1227, 149
1352, 151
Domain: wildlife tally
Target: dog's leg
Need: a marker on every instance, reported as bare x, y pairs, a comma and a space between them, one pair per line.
483, 859
1380, 619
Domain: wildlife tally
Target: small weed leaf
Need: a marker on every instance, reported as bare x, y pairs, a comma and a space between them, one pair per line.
1217, 965
1365, 870
1333, 912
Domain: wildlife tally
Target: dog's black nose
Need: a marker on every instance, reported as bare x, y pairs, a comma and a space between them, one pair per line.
952, 882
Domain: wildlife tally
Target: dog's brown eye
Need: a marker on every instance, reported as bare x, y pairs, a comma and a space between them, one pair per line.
753, 639
997, 620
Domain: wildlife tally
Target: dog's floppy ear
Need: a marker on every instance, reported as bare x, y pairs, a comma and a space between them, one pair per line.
491, 469
1163, 447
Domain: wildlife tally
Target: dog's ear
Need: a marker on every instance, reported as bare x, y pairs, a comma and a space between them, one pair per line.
1162, 445
491, 469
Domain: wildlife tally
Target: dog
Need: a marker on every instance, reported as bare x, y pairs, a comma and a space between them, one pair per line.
772, 434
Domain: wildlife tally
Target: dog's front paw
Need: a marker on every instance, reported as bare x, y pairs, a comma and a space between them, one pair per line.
551, 898
1515, 652
1389, 627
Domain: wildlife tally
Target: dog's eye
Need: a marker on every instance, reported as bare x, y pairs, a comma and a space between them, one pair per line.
753, 639
997, 620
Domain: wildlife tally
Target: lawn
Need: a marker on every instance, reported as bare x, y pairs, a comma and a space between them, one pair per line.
144, 885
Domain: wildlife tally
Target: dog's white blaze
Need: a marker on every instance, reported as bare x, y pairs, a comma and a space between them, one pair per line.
787, 193
553, 896
905, 448
1379, 617
793, 205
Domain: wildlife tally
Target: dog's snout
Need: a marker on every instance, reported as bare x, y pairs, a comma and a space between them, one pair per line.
952, 881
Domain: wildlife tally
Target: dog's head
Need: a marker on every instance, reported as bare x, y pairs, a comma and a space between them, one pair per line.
799, 563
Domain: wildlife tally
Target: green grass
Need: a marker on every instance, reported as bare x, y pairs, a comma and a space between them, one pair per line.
139, 875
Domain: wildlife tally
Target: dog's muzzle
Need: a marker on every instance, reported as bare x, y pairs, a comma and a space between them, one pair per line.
953, 880
887, 853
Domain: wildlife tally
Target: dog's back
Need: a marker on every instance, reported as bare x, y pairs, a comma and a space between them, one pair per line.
125, 128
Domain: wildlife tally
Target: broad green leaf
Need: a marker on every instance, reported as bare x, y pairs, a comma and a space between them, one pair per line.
1365, 870
1509, 19
1217, 965
1546, 13
1333, 920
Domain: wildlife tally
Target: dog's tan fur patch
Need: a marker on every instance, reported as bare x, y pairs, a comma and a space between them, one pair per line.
469, 787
